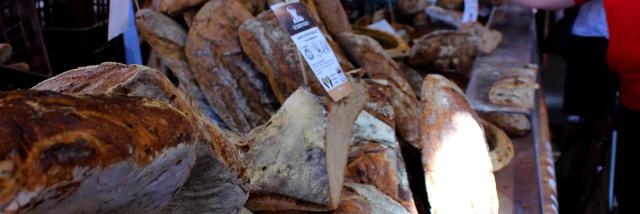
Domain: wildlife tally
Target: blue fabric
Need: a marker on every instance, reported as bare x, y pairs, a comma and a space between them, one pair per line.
591, 20
131, 44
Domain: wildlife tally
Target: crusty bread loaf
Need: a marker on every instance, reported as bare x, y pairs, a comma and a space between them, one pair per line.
240, 95
514, 124
379, 66
455, 157
273, 52
217, 159
500, 146
68, 154
515, 88
445, 51
374, 154
296, 162
366, 199
333, 15
168, 38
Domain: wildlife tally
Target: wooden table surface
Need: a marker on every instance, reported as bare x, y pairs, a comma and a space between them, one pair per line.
527, 184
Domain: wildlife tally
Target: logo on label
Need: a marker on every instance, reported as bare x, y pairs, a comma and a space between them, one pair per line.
294, 15
327, 82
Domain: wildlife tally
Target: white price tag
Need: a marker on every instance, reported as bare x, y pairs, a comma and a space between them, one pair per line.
470, 13
314, 48
118, 17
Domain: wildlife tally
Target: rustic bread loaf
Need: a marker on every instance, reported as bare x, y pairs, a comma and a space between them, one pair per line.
240, 95
366, 199
515, 88
296, 161
515, 124
68, 154
500, 146
458, 170
274, 54
445, 51
374, 154
333, 16
379, 66
216, 151
168, 38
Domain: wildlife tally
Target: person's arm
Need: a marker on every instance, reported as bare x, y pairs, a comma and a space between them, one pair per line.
548, 4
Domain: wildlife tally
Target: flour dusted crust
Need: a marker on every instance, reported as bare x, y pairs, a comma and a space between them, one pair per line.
374, 154
217, 160
296, 161
453, 151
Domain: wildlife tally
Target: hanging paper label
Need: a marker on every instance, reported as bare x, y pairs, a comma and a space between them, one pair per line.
470, 13
118, 17
314, 48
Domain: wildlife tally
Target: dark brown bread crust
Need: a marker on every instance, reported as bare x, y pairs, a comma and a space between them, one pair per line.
333, 15
231, 84
218, 162
115, 79
51, 142
379, 66
168, 38
275, 55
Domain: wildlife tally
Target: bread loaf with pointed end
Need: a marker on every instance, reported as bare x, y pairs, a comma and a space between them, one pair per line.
455, 157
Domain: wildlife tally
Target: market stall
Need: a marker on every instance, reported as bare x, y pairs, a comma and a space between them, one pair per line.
292, 107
